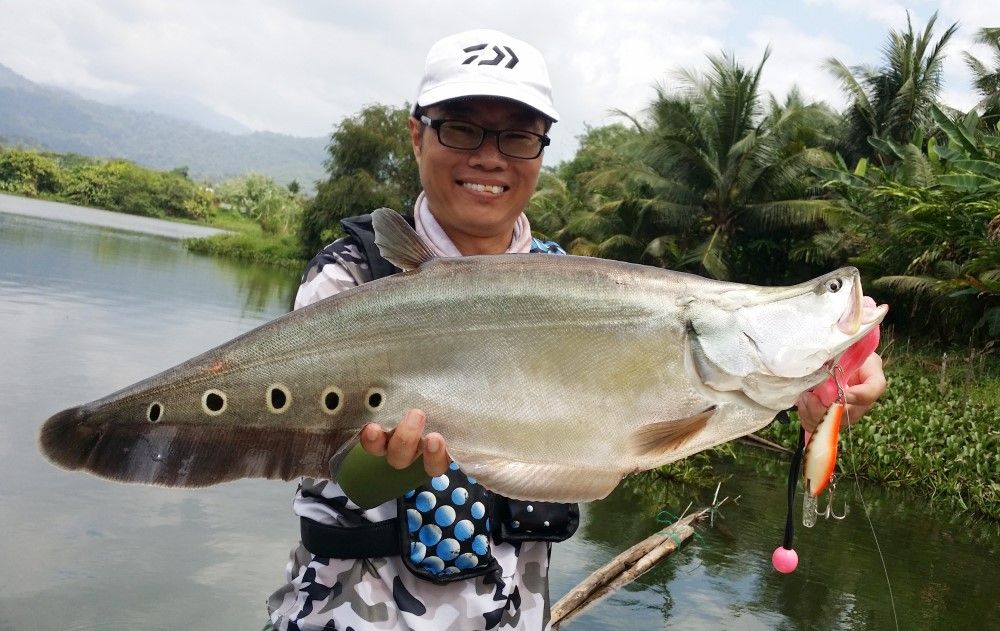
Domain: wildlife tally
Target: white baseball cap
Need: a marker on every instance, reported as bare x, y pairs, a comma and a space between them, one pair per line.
484, 62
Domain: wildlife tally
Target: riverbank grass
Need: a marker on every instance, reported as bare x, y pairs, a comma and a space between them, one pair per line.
245, 240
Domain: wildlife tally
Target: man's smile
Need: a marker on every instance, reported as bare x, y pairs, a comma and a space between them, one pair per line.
494, 189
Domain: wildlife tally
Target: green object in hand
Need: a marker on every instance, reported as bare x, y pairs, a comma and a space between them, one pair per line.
369, 480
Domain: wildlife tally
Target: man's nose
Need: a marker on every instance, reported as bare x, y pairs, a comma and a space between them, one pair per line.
488, 154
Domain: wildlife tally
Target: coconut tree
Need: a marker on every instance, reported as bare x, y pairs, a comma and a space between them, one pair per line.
927, 227
714, 178
987, 78
891, 101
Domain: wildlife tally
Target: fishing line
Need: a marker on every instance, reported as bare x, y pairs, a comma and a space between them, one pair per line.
864, 506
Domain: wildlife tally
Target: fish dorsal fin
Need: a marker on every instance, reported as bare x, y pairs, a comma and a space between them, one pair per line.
662, 437
397, 241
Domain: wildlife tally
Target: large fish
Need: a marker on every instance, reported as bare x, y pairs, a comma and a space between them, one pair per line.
550, 377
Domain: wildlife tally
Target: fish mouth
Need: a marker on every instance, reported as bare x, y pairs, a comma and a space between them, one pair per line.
862, 312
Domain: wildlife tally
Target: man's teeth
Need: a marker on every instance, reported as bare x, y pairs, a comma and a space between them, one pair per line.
483, 188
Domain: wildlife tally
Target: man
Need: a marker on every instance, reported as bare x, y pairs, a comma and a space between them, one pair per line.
478, 132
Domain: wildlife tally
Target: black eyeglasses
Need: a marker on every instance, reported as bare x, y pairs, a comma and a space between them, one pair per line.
514, 143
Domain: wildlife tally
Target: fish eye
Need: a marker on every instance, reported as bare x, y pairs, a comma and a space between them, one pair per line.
332, 399
213, 402
154, 412
374, 398
278, 398
833, 285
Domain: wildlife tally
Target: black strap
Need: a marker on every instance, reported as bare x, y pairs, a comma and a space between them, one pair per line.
793, 481
380, 539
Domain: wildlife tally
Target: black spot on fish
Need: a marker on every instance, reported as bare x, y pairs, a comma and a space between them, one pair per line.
331, 401
214, 401
154, 412
375, 399
278, 397
405, 600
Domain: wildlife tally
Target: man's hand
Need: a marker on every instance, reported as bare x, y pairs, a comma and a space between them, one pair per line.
864, 388
402, 444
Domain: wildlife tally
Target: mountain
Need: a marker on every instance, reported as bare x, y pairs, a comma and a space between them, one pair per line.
183, 107
56, 120
10, 79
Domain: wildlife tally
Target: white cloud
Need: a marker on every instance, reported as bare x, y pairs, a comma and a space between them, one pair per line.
891, 14
797, 58
300, 67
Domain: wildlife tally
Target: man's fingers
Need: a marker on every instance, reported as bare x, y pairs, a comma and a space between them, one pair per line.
374, 439
404, 443
435, 454
871, 385
811, 411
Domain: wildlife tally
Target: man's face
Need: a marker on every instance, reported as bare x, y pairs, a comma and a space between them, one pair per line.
451, 177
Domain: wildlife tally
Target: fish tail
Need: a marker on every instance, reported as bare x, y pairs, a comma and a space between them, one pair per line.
66, 439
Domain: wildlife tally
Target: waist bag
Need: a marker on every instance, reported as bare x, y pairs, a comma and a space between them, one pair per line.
444, 531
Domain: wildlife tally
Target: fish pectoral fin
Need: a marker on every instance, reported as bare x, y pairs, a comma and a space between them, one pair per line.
710, 374
537, 481
397, 241
662, 437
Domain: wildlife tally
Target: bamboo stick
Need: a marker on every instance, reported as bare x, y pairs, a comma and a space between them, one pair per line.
624, 568
760, 441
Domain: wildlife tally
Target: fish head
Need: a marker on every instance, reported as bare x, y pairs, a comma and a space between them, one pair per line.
773, 343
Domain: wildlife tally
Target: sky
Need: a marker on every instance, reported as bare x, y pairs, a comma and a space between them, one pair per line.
299, 67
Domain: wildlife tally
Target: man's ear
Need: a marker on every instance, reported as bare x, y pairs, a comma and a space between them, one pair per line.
416, 135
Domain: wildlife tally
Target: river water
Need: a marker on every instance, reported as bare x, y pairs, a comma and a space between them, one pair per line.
86, 310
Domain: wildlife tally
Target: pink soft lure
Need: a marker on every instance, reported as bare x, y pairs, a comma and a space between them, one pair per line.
849, 363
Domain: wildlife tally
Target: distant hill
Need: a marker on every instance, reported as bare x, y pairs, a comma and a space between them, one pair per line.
49, 118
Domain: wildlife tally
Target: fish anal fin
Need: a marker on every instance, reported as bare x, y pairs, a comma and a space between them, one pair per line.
397, 241
537, 481
663, 437
186, 454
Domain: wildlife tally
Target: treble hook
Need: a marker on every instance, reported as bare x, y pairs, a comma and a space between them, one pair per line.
828, 512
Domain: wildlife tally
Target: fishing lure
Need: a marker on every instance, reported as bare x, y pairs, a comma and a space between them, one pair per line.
817, 452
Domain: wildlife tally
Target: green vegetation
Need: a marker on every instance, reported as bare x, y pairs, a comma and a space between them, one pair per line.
370, 165
262, 216
251, 246
110, 184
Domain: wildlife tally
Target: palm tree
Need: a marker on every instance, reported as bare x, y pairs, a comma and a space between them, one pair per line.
891, 102
987, 80
712, 177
